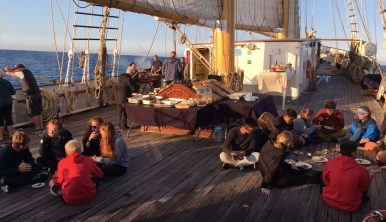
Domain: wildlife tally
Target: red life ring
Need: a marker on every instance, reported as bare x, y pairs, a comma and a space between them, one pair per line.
308, 69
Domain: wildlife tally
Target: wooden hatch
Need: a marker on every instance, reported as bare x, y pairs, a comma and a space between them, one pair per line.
176, 90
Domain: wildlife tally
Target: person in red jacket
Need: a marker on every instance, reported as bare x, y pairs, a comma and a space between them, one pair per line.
75, 179
332, 122
346, 182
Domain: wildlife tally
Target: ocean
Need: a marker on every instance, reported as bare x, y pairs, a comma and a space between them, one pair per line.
44, 65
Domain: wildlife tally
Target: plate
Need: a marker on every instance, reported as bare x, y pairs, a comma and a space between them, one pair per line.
38, 185
303, 165
328, 127
319, 159
290, 161
363, 161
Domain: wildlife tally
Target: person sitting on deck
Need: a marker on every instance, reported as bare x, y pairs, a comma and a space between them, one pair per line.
376, 151
266, 130
114, 158
332, 122
76, 177
285, 122
240, 145
52, 144
17, 166
364, 128
276, 172
126, 86
346, 182
303, 126
91, 137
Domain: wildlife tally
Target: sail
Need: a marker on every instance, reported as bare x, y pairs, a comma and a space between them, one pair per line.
259, 15
253, 15
268, 16
188, 11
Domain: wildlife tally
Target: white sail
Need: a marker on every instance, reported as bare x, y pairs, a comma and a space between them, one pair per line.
259, 14
189, 11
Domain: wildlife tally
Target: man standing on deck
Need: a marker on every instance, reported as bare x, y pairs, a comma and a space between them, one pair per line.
126, 86
31, 89
172, 68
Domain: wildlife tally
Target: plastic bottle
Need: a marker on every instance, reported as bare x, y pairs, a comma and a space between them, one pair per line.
218, 134
241, 167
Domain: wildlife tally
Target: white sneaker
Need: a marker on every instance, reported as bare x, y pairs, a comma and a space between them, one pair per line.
5, 188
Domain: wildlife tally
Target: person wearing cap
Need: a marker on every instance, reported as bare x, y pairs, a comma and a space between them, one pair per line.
331, 121
172, 68
345, 181
364, 128
30, 87
6, 92
126, 86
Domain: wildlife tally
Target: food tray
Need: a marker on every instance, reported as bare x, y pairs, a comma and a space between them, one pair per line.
136, 100
162, 105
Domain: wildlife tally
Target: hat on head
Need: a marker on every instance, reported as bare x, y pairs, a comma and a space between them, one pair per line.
19, 66
361, 111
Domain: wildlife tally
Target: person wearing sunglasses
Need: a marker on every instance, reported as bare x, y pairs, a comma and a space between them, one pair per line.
91, 137
52, 145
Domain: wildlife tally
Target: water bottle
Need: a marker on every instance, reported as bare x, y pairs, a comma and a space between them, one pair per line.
218, 134
241, 167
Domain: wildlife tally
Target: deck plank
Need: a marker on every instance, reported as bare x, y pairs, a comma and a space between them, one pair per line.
179, 178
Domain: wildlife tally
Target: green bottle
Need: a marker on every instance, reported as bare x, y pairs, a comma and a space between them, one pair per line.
241, 167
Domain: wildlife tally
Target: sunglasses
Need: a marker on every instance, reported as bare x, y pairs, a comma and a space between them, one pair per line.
94, 127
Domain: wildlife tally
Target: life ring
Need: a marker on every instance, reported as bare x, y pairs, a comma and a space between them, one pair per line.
308, 69
375, 216
251, 46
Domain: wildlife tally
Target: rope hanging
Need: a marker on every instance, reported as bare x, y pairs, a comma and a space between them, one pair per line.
151, 45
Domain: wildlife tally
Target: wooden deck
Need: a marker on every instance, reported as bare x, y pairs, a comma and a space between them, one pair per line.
179, 178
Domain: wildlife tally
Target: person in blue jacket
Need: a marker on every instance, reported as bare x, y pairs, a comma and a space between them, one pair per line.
364, 128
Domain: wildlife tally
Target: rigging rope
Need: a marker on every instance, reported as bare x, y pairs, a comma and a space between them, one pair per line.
341, 22
151, 45
333, 22
363, 21
77, 4
55, 43
120, 43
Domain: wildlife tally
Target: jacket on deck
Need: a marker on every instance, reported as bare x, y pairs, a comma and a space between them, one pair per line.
172, 69
369, 127
11, 159
336, 120
345, 182
76, 175
126, 86
53, 148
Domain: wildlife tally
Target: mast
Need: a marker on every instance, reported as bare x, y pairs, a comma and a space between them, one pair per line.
286, 8
101, 66
224, 41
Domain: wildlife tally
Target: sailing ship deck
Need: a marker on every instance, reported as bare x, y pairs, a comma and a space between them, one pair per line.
179, 178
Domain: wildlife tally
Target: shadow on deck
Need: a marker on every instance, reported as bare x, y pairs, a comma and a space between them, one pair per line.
179, 178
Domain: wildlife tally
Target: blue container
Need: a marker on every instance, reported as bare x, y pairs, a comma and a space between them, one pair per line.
218, 134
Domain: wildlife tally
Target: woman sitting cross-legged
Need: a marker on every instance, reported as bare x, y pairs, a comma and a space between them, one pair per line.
304, 127
76, 177
114, 158
364, 128
91, 137
240, 145
17, 166
276, 172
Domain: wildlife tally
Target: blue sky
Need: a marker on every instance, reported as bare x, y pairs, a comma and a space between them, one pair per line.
27, 25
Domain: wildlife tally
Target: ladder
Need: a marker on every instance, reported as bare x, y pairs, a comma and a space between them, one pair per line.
352, 18
89, 14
